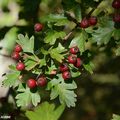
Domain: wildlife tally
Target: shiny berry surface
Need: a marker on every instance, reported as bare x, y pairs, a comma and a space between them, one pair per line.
78, 63
31, 83
84, 23
38, 27
64, 67
20, 66
74, 50
92, 20
15, 56
42, 81
18, 48
72, 59
66, 75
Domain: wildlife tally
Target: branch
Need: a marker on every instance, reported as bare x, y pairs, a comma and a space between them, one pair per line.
71, 18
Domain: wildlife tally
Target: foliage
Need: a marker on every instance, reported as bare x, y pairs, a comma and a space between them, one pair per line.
26, 43
116, 117
11, 78
45, 111
62, 90
43, 52
25, 96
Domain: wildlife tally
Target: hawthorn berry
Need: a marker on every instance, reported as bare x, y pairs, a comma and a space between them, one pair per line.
38, 27
64, 67
84, 23
41, 81
66, 75
31, 83
72, 59
116, 18
20, 66
15, 55
92, 20
18, 48
74, 50
78, 63
116, 4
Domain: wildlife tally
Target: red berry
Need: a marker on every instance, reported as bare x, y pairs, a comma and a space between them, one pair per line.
38, 27
41, 81
18, 48
72, 59
92, 20
116, 18
64, 67
84, 23
78, 63
116, 4
31, 83
16, 55
66, 75
74, 50
20, 66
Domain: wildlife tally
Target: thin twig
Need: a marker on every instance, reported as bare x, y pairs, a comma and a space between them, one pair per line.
68, 35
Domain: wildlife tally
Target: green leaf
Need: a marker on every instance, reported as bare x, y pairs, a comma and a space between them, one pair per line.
116, 34
52, 36
45, 111
117, 51
31, 62
115, 117
77, 11
65, 91
26, 43
75, 74
68, 5
42, 62
10, 39
104, 33
35, 98
57, 19
79, 41
12, 77
45, 52
56, 53
50, 69
89, 67
25, 97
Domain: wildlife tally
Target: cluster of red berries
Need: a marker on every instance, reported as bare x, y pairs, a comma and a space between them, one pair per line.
72, 59
116, 6
41, 82
16, 52
87, 22
31, 83
16, 55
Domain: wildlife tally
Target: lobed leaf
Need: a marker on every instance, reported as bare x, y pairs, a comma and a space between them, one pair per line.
115, 117
56, 53
79, 41
26, 43
31, 62
63, 90
52, 36
25, 97
45, 111
12, 77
